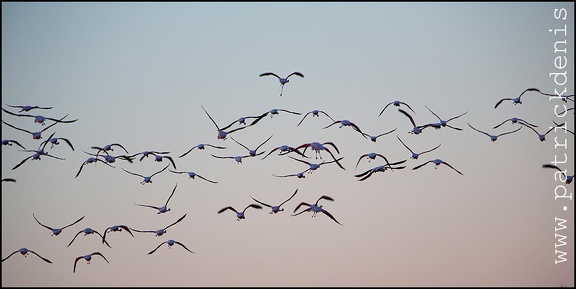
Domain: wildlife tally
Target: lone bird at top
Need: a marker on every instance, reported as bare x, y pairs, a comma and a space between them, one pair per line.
282, 80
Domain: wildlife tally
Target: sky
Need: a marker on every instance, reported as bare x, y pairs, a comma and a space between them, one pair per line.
138, 74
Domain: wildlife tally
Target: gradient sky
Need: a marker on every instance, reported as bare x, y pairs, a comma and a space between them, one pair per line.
138, 73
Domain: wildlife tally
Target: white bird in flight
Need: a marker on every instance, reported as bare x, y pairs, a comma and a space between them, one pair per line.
35, 135
492, 136
39, 118
57, 231
201, 146
315, 113
28, 107
282, 80
164, 208
416, 155
318, 147
417, 129
516, 100
252, 152
88, 258
25, 251
315, 208
170, 244
147, 179
382, 168
9, 142
116, 228
396, 103
275, 209
191, 175
345, 122
162, 231
375, 137
240, 214
444, 123
222, 134
542, 137
515, 120
437, 162
88, 231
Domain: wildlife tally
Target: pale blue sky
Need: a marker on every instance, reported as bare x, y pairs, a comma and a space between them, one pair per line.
138, 73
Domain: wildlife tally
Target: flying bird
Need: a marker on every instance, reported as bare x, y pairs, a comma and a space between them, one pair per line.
222, 134
108, 147
252, 152
147, 179
284, 149
371, 156
35, 135
542, 137
170, 243
238, 159
275, 209
494, 137
39, 118
116, 228
25, 251
88, 258
28, 107
162, 231
9, 180
298, 175
273, 112
145, 154
54, 141
164, 208
396, 103
282, 80
89, 161
516, 100
315, 208
201, 147
191, 175
88, 231
568, 179
417, 129
112, 159
318, 147
36, 156
9, 142
382, 168
375, 137
346, 122
57, 231
315, 113
444, 123
416, 155
437, 162
515, 120
564, 98
240, 215
159, 158
313, 167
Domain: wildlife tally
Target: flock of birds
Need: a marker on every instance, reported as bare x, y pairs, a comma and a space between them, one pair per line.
107, 155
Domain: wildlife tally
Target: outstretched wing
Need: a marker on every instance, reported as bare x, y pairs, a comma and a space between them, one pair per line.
269, 73
181, 218
157, 247
73, 223
46, 260
331, 217
295, 73
264, 204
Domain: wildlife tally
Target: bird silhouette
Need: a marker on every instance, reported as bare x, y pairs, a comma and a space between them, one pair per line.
396, 103
275, 209
437, 162
315, 208
88, 258
416, 155
315, 113
88, 231
164, 208
25, 251
282, 80
444, 123
170, 243
201, 146
567, 178
57, 231
516, 100
162, 231
191, 175
39, 118
240, 214
149, 178
492, 136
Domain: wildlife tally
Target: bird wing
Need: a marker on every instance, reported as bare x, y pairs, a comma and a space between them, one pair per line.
173, 190
295, 73
456, 116
292, 112
302, 203
479, 130
46, 260
227, 208
133, 173
16, 127
74, 238
98, 253
500, 101
264, 204
160, 170
360, 158
384, 108
206, 179
289, 198
78, 173
210, 118
452, 167
269, 73
157, 247
181, 218
409, 116
119, 145
325, 198
76, 261
405, 145
263, 142
73, 223
421, 165
331, 217
512, 131
550, 166
256, 206
216, 147
22, 162
433, 112
10, 255
303, 118
187, 152
183, 246
430, 149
